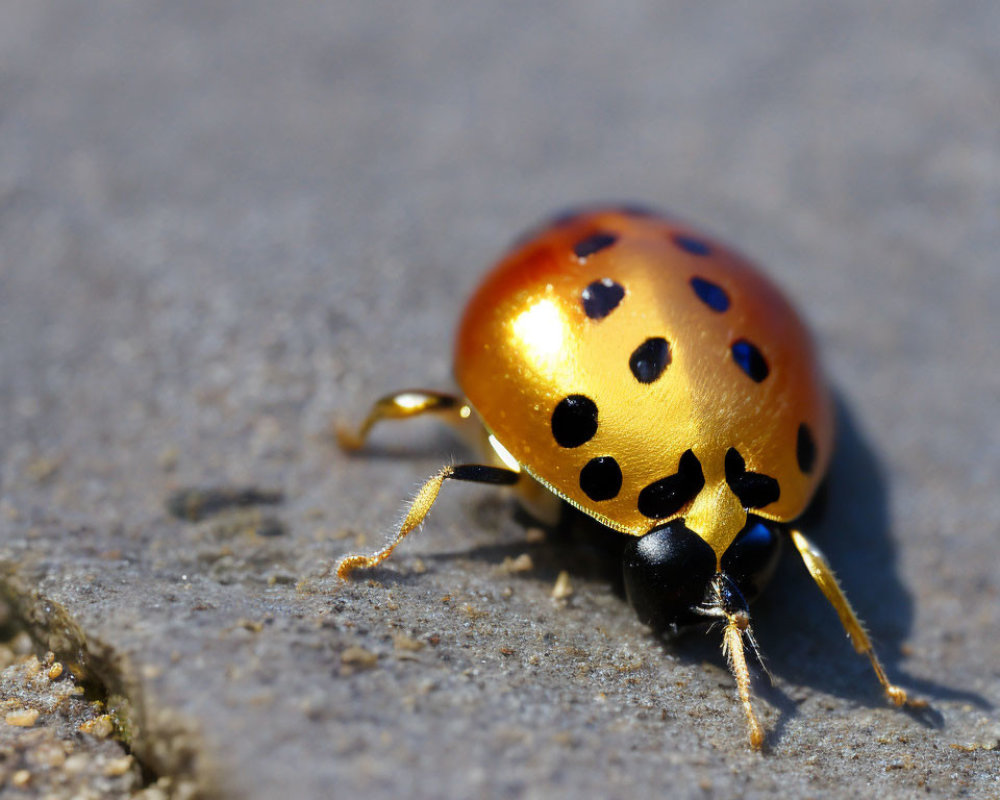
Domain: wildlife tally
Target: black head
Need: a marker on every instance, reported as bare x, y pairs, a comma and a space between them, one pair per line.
669, 573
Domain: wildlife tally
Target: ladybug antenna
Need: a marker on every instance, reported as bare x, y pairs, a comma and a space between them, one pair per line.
752, 641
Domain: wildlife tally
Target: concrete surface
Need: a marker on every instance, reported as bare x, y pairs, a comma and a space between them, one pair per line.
224, 224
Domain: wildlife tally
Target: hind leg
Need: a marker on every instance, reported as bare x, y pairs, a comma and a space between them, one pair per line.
821, 572
404, 405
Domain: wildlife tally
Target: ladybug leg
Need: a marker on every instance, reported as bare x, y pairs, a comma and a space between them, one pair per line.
821, 572
729, 603
738, 626
403, 405
421, 505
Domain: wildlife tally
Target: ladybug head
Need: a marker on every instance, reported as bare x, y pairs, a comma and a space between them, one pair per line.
671, 578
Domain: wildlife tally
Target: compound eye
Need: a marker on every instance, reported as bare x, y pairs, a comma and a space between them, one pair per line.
753, 556
667, 573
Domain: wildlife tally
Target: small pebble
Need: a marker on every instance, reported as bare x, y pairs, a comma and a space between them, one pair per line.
534, 535
76, 763
118, 766
22, 717
562, 588
357, 658
100, 727
402, 642
511, 566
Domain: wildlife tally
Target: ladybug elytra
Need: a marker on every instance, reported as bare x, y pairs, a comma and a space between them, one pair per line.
654, 379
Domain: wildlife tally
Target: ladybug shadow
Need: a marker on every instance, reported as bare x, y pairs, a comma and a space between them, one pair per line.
577, 545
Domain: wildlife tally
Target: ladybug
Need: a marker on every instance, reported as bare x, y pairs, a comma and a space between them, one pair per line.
653, 378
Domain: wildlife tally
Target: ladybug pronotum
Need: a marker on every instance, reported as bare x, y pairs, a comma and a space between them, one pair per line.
660, 383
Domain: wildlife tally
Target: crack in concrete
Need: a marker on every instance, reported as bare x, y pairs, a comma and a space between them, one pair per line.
165, 742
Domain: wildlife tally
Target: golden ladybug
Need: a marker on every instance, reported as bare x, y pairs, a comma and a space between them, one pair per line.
656, 380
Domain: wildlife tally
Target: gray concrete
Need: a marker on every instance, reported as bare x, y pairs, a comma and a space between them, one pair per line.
224, 224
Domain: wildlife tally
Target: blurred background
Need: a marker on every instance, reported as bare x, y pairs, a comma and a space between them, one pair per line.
223, 225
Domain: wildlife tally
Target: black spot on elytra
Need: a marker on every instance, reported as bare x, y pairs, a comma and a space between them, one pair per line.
601, 478
711, 294
754, 489
601, 298
649, 359
690, 244
669, 495
749, 359
805, 449
574, 421
594, 244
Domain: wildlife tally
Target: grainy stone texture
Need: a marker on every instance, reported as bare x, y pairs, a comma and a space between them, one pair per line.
53, 741
224, 224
